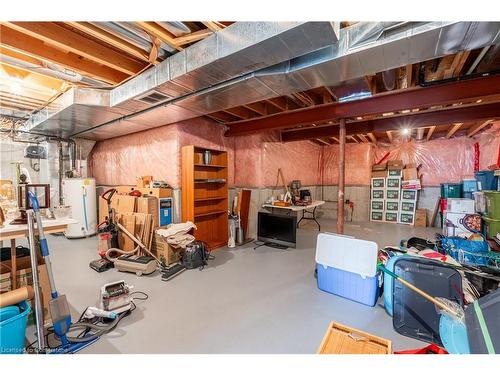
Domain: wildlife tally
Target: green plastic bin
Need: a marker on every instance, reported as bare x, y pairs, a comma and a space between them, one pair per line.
492, 204
491, 227
450, 190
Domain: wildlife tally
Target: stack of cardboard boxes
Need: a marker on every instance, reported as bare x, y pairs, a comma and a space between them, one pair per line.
394, 193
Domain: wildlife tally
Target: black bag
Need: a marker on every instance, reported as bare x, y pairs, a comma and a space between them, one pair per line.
195, 255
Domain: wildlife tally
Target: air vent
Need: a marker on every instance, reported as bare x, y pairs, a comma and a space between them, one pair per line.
152, 97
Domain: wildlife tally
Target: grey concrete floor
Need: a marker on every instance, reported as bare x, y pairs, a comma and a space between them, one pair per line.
245, 301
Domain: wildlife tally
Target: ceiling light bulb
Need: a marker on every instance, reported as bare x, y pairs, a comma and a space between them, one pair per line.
406, 131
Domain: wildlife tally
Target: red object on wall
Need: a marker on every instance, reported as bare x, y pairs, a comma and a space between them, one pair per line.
477, 153
498, 160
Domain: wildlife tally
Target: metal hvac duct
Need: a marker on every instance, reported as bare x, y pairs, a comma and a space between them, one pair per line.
225, 70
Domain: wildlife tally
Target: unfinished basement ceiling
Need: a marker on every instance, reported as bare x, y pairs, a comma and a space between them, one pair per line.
330, 64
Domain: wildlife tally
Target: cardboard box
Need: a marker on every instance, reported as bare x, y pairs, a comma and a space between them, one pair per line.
379, 174
377, 205
409, 195
378, 183
156, 192
24, 277
408, 206
421, 218
144, 181
123, 203
407, 218
395, 164
377, 216
460, 205
395, 173
411, 184
378, 194
391, 217
149, 205
165, 252
459, 224
410, 174
393, 194
393, 182
392, 206
379, 167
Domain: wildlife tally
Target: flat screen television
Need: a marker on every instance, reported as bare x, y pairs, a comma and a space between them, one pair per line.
276, 229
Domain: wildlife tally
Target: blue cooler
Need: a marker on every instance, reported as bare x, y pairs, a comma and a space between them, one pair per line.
347, 267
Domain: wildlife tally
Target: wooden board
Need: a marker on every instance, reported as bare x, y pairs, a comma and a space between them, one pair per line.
244, 208
340, 339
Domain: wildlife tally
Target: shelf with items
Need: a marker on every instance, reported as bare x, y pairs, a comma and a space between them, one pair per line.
205, 193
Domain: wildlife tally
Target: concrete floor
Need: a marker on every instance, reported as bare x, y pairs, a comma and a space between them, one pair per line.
245, 301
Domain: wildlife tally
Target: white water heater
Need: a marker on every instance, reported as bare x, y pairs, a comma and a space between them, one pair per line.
80, 194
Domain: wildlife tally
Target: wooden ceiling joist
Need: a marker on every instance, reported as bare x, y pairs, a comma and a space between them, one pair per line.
160, 33
111, 39
69, 41
193, 37
353, 138
213, 25
35, 48
363, 138
372, 137
258, 107
279, 103
394, 101
430, 132
240, 112
478, 127
389, 135
457, 65
324, 142
453, 129
409, 121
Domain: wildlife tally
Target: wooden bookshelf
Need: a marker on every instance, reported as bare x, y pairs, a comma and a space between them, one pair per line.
205, 203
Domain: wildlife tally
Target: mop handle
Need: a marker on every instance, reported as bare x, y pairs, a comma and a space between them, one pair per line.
44, 247
419, 291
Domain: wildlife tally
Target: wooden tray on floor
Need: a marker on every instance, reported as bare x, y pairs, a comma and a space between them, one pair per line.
340, 339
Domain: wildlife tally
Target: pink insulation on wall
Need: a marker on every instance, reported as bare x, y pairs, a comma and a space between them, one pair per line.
156, 152
254, 159
445, 160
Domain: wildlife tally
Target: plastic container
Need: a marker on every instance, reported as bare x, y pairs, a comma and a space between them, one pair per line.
489, 307
413, 315
486, 180
492, 207
388, 283
451, 190
491, 227
468, 194
469, 186
347, 267
480, 201
13, 321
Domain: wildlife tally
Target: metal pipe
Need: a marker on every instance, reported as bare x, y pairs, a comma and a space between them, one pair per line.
340, 208
36, 284
61, 172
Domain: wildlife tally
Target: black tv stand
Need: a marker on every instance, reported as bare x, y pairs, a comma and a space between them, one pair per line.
271, 244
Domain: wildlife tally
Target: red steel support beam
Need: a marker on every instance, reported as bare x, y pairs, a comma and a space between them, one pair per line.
417, 97
340, 199
410, 121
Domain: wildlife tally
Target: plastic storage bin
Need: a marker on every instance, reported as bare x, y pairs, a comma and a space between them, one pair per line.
13, 321
347, 267
388, 283
492, 207
413, 315
491, 227
486, 180
489, 305
469, 186
451, 190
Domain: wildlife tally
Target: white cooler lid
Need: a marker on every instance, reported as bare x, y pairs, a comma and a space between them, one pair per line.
347, 253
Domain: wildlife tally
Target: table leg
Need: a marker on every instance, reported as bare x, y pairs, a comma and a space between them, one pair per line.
13, 263
313, 217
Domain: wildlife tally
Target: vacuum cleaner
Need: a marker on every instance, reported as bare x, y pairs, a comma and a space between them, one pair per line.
58, 306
